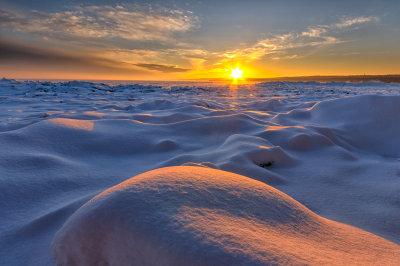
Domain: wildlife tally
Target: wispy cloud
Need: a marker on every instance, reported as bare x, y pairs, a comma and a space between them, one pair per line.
130, 22
345, 23
134, 55
321, 35
162, 68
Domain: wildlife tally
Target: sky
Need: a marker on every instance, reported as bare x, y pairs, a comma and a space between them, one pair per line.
174, 40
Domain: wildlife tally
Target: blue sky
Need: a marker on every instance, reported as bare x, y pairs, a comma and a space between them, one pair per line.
197, 39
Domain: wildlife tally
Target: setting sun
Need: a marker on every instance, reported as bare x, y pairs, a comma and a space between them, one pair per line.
236, 73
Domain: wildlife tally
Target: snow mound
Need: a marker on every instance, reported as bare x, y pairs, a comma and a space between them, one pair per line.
369, 122
187, 215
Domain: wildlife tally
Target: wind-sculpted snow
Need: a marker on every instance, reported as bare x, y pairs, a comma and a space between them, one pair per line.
374, 125
189, 215
333, 147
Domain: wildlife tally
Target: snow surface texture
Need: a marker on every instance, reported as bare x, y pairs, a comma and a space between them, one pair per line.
188, 215
333, 147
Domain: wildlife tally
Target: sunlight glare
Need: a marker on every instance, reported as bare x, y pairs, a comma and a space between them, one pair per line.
236, 73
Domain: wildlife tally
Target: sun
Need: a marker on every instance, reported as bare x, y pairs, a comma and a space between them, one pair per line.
236, 73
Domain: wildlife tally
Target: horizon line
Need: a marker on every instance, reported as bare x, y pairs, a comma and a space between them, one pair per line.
360, 77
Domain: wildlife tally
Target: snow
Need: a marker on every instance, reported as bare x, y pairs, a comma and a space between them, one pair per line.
329, 150
187, 215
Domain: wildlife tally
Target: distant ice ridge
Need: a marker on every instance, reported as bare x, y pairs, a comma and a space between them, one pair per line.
332, 148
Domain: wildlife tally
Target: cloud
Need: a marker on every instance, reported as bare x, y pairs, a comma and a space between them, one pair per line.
29, 56
280, 45
314, 32
345, 23
162, 68
130, 22
152, 56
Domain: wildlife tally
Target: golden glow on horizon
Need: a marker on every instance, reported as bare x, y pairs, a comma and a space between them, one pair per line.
236, 73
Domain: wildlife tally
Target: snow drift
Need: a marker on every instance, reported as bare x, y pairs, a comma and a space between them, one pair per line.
188, 215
